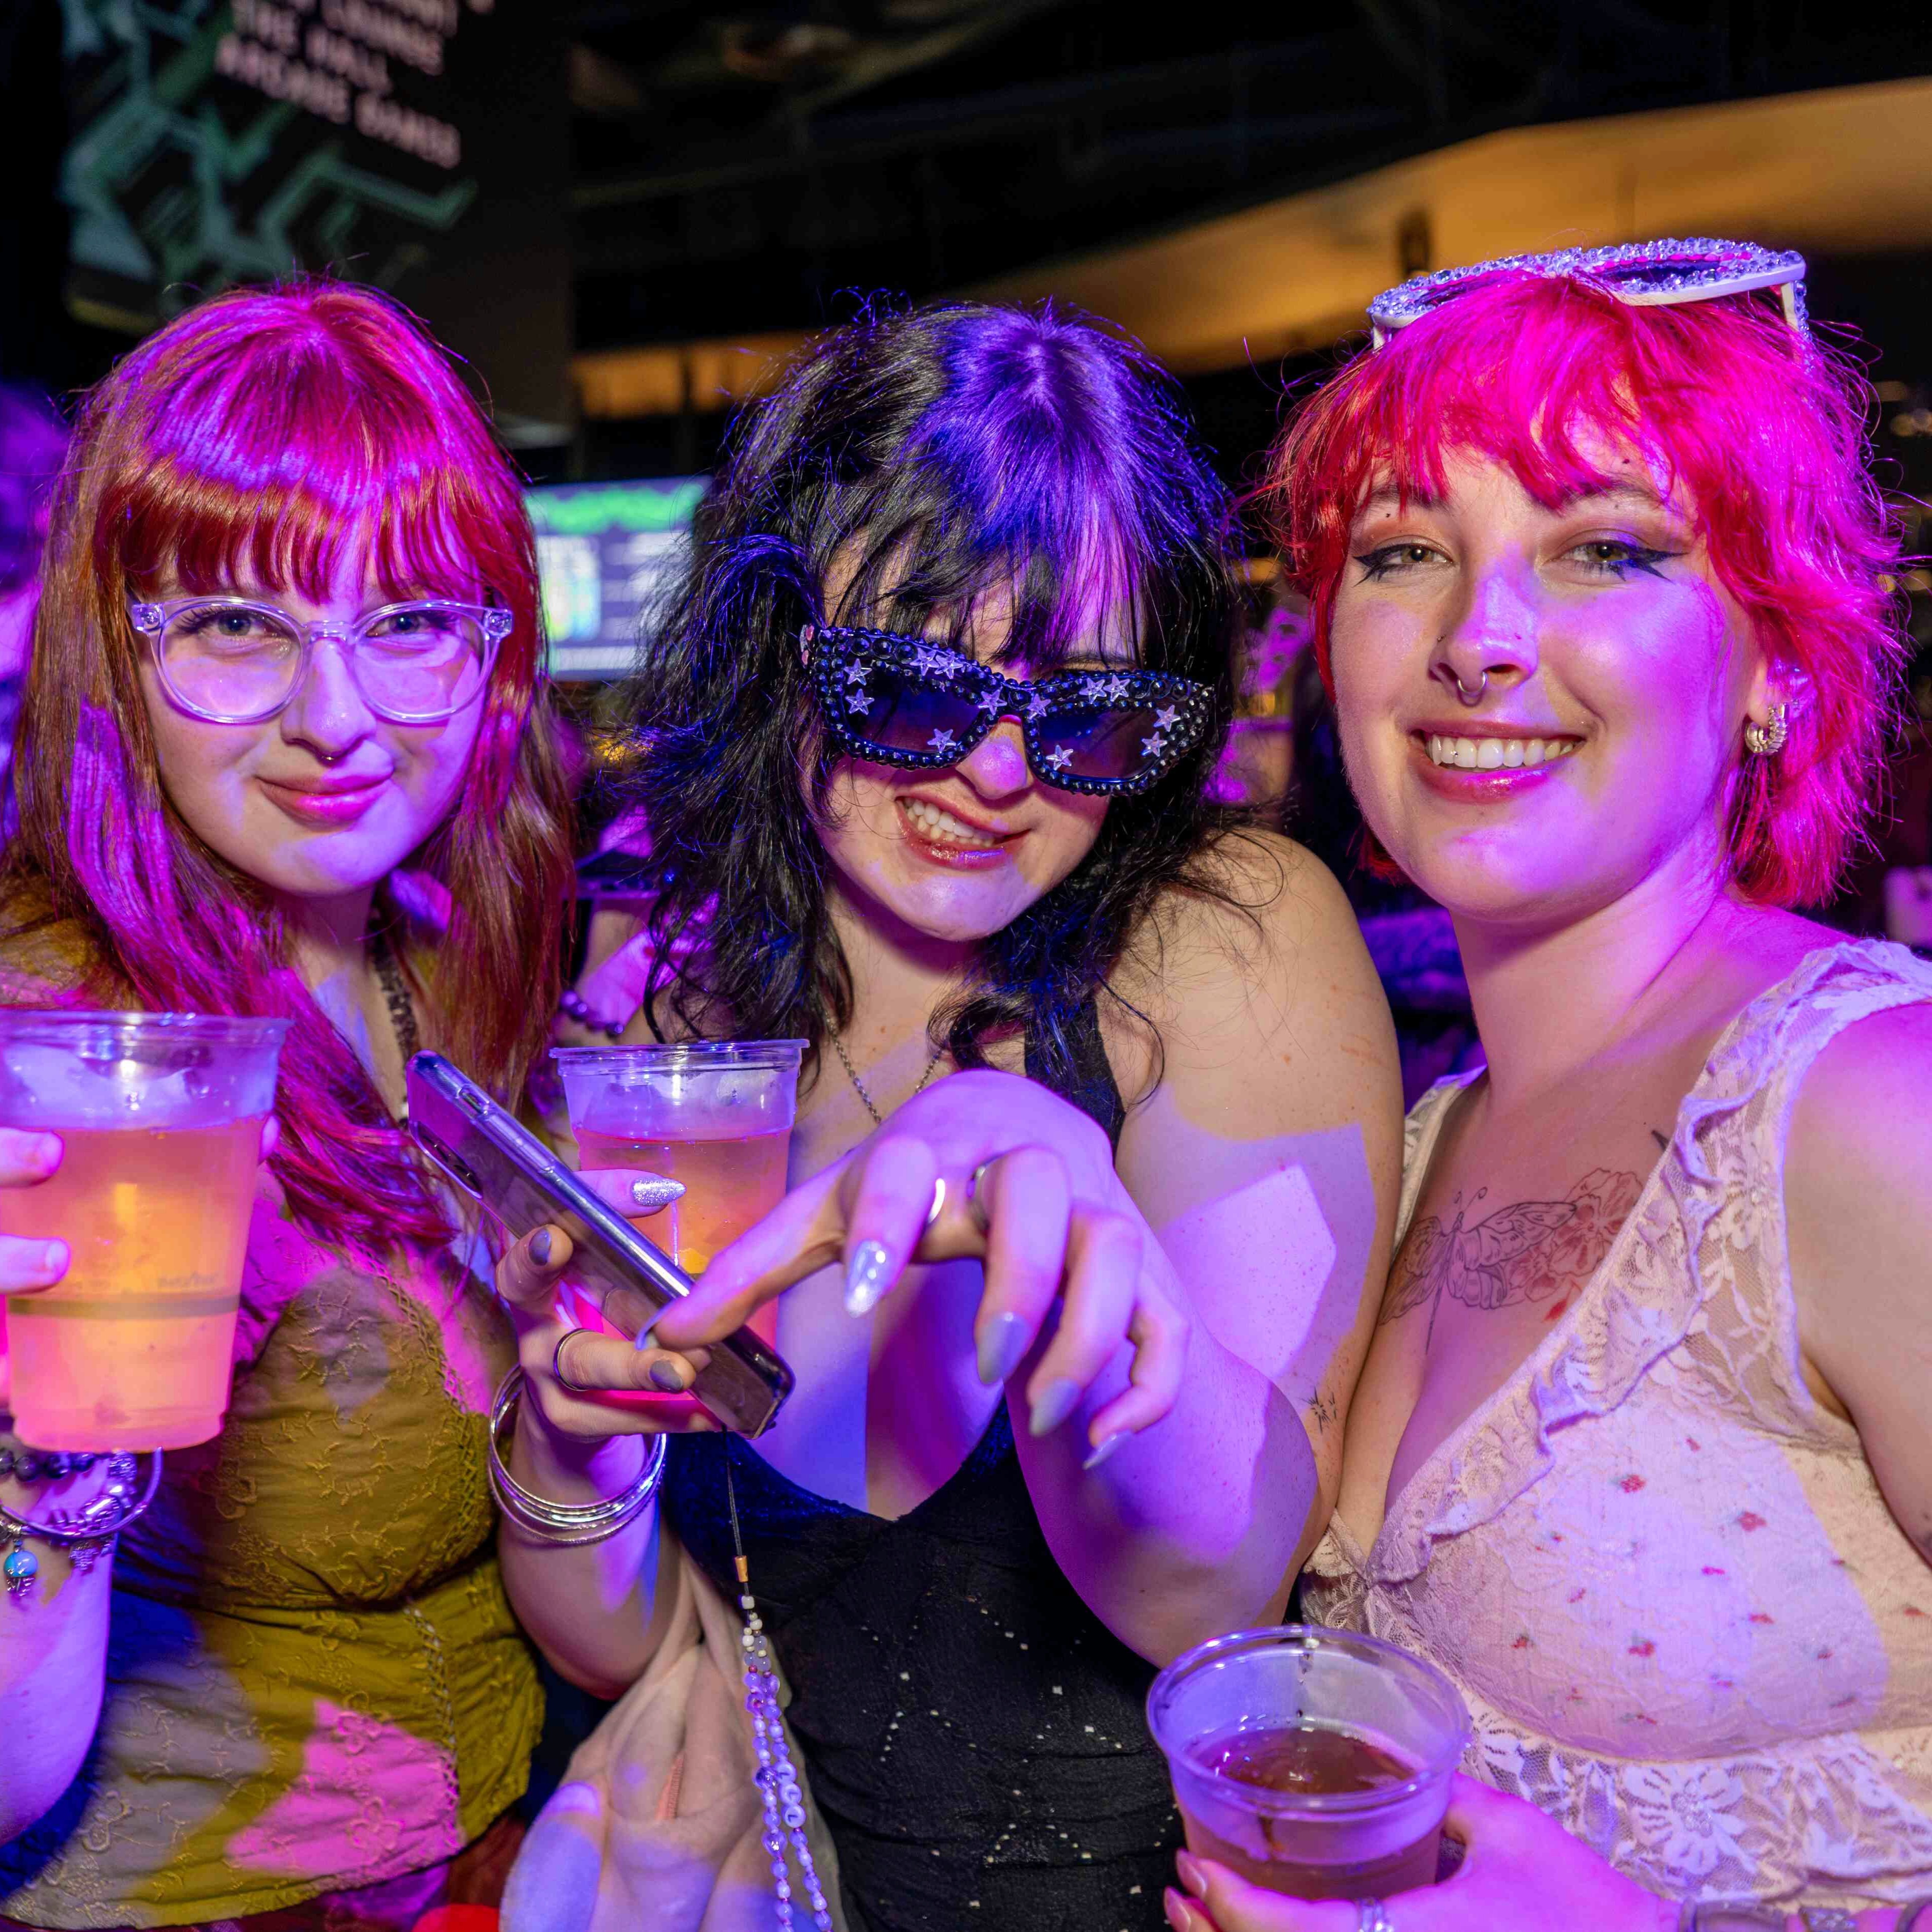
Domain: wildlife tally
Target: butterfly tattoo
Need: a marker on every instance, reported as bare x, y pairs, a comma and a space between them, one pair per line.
1532, 1251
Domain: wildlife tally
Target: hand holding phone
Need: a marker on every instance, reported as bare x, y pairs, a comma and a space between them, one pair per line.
589, 1247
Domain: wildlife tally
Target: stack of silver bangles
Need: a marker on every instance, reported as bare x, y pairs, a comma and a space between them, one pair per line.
566, 1523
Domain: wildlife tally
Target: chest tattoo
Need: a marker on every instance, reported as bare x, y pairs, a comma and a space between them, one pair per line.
1531, 1251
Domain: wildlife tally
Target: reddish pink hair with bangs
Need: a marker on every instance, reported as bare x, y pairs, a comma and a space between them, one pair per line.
1764, 431
261, 439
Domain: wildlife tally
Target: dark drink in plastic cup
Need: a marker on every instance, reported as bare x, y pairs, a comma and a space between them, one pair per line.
1312, 1762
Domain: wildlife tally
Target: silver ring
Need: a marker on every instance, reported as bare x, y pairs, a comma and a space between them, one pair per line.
1462, 690
557, 1375
974, 1205
1370, 1916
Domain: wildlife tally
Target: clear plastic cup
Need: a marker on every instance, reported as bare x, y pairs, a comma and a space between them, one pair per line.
1313, 1762
715, 1115
160, 1117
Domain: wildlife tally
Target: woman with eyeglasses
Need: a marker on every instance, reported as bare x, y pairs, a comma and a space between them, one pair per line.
282, 755
1642, 1455
924, 741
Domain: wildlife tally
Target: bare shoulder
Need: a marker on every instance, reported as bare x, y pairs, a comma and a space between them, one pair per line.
1863, 1117
1266, 909
1264, 968
1858, 1222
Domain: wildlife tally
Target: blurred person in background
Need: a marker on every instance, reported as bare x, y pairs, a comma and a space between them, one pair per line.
1284, 761
32, 442
1905, 840
1641, 1457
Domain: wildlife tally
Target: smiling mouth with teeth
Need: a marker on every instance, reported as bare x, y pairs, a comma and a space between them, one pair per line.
939, 827
1496, 754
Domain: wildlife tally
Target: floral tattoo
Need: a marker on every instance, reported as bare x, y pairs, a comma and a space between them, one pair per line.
1532, 1251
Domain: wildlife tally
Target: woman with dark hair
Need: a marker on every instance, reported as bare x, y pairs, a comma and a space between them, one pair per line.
925, 738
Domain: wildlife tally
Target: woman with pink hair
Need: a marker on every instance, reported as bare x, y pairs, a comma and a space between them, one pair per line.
282, 755
1641, 1456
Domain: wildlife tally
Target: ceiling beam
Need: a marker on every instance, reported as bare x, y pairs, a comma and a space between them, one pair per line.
1841, 171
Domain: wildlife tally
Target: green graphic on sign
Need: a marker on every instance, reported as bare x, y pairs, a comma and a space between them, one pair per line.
220, 141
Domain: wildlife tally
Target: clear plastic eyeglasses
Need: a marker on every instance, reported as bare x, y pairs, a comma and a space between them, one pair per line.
235, 662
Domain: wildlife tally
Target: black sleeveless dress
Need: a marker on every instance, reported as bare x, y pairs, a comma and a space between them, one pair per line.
975, 1736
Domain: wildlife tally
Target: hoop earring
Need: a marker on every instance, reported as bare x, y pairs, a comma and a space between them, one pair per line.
1767, 740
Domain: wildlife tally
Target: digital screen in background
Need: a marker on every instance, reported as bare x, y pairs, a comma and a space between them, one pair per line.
605, 552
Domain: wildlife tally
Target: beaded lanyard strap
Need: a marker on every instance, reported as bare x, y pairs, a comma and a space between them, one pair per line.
777, 1777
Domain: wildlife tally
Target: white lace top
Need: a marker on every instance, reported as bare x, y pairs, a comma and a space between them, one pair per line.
1686, 1624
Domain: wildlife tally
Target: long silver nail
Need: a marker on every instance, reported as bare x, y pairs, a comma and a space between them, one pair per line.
655, 1194
868, 1275
664, 1376
1002, 1342
1108, 1443
1053, 1405
933, 1212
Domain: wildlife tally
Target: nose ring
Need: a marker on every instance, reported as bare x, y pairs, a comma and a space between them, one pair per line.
1470, 698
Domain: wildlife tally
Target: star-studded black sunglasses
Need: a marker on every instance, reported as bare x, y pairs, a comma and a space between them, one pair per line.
909, 701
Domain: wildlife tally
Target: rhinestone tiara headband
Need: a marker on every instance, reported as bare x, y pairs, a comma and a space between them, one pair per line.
1646, 274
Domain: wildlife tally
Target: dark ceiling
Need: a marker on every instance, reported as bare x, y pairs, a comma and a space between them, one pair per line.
739, 171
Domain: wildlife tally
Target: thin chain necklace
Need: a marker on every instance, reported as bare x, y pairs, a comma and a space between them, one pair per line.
396, 998
859, 1085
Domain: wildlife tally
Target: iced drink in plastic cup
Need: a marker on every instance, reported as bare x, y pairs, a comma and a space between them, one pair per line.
1312, 1762
716, 1115
160, 1117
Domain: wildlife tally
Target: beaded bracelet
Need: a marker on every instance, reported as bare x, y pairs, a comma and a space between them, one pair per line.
573, 1006
1694, 1916
44, 1466
87, 1533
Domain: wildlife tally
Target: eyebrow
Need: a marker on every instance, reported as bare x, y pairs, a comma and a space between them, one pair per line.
1389, 497
1639, 494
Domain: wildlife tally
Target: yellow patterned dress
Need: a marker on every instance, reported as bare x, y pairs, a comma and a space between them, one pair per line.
315, 1685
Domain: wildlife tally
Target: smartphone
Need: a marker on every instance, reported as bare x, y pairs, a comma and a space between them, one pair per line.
521, 1185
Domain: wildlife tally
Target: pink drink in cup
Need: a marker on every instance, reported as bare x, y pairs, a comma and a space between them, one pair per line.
160, 1117
1312, 1762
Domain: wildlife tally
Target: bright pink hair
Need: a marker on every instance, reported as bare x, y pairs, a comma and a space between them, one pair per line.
265, 436
1766, 432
